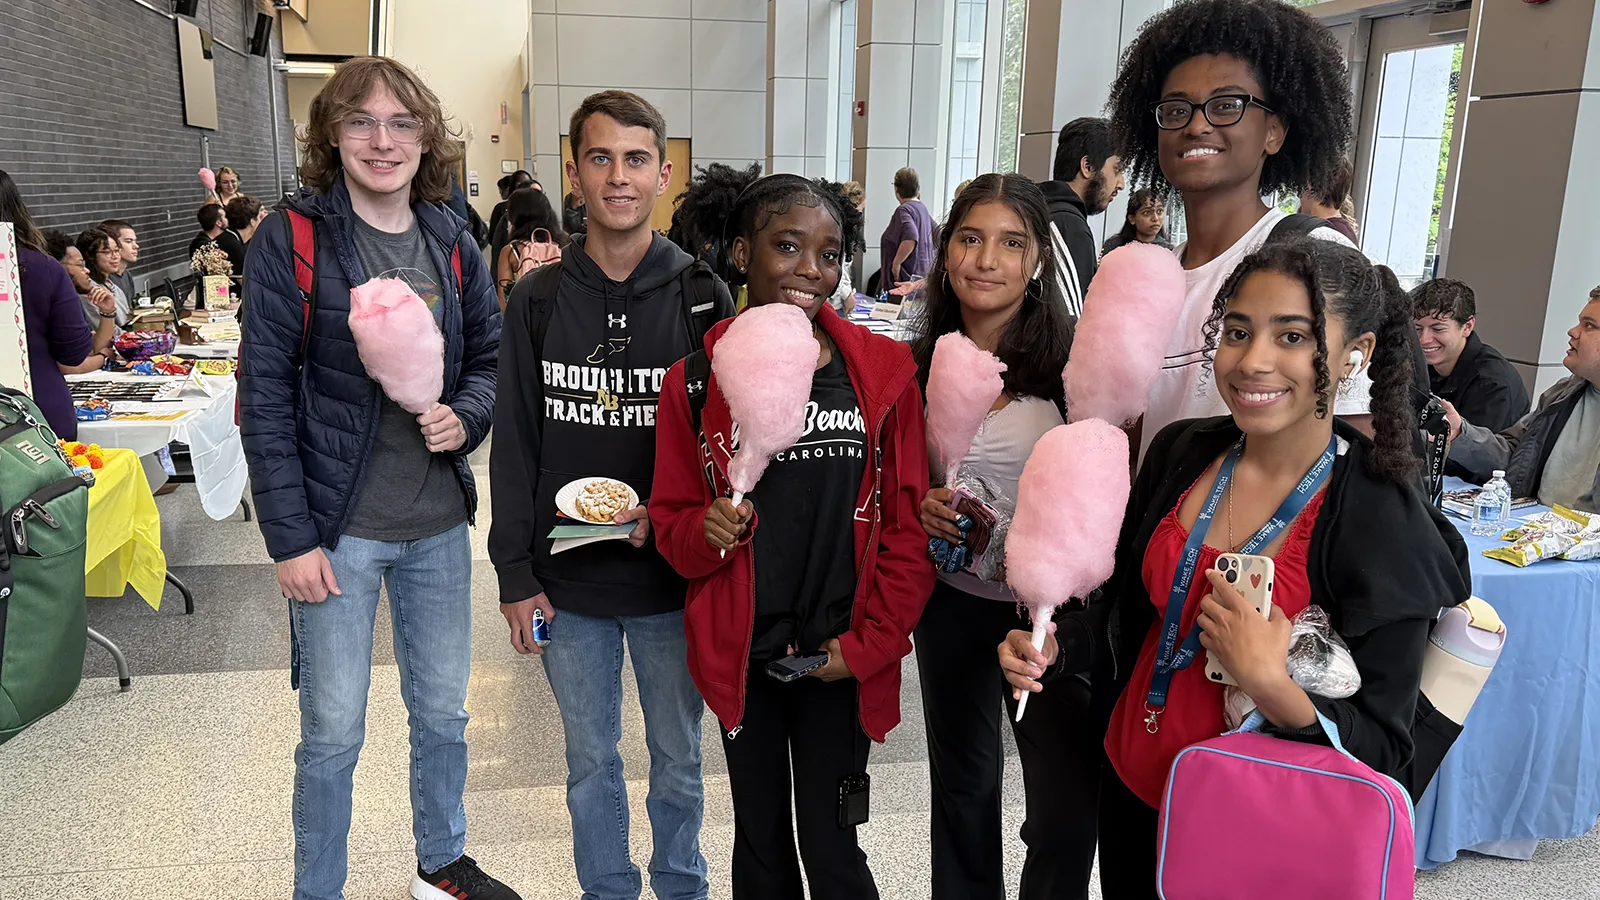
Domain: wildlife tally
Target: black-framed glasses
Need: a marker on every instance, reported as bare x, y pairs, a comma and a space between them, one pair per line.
1221, 111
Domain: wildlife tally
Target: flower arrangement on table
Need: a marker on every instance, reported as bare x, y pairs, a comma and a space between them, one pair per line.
215, 271
81, 454
210, 260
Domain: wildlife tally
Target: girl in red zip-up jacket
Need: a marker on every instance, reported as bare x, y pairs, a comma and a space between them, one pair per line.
826, 554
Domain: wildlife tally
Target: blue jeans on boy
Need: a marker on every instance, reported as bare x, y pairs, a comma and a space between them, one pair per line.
584, 666
429, 583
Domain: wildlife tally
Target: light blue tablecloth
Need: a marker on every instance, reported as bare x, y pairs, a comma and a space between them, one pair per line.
1527, 765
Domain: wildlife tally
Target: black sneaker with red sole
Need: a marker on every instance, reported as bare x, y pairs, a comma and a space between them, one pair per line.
461, 880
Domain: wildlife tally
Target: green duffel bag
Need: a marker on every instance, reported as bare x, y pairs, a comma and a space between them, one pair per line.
43, 618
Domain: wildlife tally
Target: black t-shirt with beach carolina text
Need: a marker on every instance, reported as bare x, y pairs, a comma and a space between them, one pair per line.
805, 565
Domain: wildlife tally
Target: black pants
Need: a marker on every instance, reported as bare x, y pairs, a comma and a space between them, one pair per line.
808, 727
1127, 841
962, 688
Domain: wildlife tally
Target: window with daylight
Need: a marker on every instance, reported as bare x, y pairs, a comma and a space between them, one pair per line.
966, 94
847, 89
1005, 151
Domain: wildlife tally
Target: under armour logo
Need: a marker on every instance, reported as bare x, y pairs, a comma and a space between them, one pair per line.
617, 321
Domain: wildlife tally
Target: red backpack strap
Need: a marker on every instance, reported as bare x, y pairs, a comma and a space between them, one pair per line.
304, 261
455, 266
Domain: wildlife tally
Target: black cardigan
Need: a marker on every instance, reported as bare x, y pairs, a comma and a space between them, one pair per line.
1382, 563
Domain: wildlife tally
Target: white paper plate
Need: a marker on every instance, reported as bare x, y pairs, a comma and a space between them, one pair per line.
567, 498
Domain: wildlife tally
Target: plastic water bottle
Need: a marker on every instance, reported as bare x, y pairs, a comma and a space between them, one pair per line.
1491, 509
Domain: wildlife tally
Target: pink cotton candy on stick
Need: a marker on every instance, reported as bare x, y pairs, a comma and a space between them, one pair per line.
399, 342
208, 180
1070, 503
764, 364
963, 383
1128, 317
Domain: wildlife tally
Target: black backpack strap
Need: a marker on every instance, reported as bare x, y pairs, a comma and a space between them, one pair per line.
696, 382
539, 289
703, 302
696, 385
1295, 225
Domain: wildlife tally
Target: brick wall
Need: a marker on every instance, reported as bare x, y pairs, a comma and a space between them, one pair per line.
91, 116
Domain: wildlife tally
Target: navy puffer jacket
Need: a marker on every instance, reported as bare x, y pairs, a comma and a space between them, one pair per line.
308, 429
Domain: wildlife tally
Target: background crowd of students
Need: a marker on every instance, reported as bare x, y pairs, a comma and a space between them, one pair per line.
586, 340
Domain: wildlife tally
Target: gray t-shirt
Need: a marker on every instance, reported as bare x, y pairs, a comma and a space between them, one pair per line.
1569, 475
408, 493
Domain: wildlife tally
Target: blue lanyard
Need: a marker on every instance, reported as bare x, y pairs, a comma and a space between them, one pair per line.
1170, 657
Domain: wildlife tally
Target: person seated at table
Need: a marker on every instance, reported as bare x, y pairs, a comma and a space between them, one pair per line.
1339, 513
1552, 453
101, 255
93, 299
212, 217
1471, 375
244, 214
127, 254
58, 341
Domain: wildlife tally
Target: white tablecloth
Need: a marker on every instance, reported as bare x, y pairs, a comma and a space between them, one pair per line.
206, 426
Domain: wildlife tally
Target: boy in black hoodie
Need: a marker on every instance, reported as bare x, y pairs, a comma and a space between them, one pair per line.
586, 344
1088, 176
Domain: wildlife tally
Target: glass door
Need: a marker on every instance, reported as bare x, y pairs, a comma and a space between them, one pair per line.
1408, 121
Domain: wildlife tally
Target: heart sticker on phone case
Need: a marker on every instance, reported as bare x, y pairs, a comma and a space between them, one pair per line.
1255, 580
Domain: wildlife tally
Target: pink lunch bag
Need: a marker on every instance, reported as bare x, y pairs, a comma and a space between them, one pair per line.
1248, 815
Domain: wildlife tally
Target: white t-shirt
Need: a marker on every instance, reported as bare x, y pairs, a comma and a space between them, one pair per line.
1184, 388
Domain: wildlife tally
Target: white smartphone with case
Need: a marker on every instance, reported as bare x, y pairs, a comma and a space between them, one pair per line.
1252, 575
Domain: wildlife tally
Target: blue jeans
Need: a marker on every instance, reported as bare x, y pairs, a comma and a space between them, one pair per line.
429, 583
584, 665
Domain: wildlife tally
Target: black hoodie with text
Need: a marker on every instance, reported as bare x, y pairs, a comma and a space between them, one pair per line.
585, 405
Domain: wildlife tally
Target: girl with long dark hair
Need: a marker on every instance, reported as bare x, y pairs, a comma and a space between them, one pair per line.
535, 238
58, 340
994, 280
825, 556
1280, 477
1145, 222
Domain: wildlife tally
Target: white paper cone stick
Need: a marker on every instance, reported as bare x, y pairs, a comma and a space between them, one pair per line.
1038, 644
738, 498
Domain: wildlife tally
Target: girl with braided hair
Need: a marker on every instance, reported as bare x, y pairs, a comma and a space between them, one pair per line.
1285, 479
825, 556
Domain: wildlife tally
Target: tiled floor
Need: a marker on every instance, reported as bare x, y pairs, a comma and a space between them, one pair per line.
180, 789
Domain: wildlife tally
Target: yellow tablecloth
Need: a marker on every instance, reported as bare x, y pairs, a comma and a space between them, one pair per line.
124, 539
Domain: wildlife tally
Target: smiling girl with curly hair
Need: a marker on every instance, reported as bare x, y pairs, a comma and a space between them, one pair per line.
1225, 101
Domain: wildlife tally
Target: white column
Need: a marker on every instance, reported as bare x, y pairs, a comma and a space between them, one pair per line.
1070, 60
802, 37
544, 87
902, 76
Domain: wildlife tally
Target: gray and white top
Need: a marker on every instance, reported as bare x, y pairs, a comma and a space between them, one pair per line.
999, 451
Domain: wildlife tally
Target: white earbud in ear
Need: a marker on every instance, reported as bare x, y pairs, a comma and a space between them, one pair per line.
1037, 271
1356, 359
